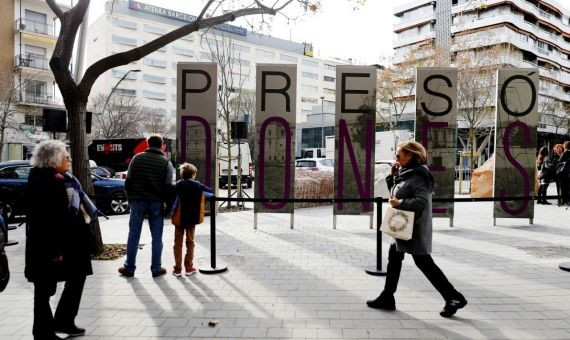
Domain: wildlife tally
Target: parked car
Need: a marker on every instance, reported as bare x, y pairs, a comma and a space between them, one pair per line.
109, 193
101, 172
316, 164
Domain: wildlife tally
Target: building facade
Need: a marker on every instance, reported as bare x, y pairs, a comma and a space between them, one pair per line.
132, 24
28, 31
522, 33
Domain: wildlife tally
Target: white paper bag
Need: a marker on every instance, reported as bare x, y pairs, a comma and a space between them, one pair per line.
398, 223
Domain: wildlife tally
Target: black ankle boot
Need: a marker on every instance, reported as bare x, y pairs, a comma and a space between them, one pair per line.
384, 301
453, 305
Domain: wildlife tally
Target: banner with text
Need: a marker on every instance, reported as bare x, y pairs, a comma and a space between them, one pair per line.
354, 137
436, 126
196, 118
276, 98
515, 141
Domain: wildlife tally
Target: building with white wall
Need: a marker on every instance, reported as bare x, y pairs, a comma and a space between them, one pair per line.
132, 23
29, 31
529, 33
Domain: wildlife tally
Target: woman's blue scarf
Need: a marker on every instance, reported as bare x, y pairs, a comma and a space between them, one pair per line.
78, 199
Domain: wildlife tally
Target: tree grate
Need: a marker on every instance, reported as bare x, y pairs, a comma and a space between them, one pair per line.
547, 252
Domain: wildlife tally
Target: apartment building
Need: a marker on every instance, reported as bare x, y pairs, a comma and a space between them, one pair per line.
29, 30
133, 23
526, 33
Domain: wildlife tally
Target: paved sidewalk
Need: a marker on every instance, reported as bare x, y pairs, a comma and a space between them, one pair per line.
309, 282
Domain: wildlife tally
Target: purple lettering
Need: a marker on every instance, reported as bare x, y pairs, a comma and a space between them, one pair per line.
183, 120
345, 137
261, 161
513, 161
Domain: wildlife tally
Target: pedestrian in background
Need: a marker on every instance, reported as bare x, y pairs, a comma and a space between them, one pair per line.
57, 239
546, 174
412, 187
557, 151
565, 175
189, 193
149, 179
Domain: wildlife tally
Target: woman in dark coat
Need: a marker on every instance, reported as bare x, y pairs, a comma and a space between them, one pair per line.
413, 185
555, 159
190, 196
57, 240
546, 174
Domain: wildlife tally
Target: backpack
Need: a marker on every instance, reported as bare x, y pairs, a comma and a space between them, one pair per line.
4, 270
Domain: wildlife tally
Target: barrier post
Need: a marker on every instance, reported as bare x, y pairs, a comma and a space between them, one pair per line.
215, 269
377, 270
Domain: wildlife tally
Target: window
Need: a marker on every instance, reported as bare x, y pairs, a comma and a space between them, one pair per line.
309, 100
33, 120
240, 62
126, 92
154, 95
173, 97
124, 40
154, 79
16, 172
309, 88
288, 58
182, 51
310, 75
329, 91
329, 67
121, 73
264, 54
329, 79
173, 81
328, 102
154, 29
188, 37
154, 62
124, 23
240, 48
311, 63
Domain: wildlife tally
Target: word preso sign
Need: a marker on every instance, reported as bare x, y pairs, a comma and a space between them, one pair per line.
515, 141
436, 124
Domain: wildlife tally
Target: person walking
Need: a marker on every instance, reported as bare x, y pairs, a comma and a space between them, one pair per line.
412, 187
149, 179
546, 173
555, 159
190, 195
57, 239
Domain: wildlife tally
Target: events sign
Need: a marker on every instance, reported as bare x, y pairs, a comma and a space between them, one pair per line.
436, 125
275, 118
515, 141
354, 141
196, 118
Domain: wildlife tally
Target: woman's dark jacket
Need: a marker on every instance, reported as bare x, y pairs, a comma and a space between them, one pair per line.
414, 188
52, 230
190, 195
547, 169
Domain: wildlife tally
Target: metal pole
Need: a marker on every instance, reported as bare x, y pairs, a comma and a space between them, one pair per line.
377, 270
214, 267
322, 124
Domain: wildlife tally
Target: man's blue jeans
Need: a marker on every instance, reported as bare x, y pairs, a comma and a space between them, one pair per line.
152, 209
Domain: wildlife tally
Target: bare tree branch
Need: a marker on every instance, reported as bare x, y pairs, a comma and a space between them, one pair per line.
55, 8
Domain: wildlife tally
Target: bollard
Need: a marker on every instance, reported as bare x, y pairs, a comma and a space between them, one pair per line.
377, 270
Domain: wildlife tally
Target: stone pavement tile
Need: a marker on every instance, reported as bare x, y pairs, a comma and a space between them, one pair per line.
554, 324
154, 331
105, 331
349, 333
128, 331
380, 334
279, 332
246, 323
229, 332
308, 333
175, 322
180, 331
255, 332
329, 333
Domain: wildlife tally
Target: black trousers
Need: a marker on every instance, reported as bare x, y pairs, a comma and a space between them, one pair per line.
542, 189
565, 186
67, 308
559, 190
426, 265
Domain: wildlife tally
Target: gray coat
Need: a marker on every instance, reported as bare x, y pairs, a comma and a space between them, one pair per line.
415, 193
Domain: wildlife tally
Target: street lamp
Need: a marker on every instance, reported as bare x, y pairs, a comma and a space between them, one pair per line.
113, 90
322, 125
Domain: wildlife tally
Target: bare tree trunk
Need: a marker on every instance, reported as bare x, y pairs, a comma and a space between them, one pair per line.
80, 164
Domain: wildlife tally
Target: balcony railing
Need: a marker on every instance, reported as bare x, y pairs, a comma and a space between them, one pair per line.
27, 25
36, 98
33, 61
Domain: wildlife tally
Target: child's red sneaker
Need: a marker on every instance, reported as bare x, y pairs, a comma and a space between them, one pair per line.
191, 271
177, 272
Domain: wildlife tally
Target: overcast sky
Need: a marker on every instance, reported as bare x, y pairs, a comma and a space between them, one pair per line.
336, 30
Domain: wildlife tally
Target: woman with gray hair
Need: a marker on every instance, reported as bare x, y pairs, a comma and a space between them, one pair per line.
412, 186
57, 239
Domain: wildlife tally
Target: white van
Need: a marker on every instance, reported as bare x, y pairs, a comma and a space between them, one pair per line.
246, 165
